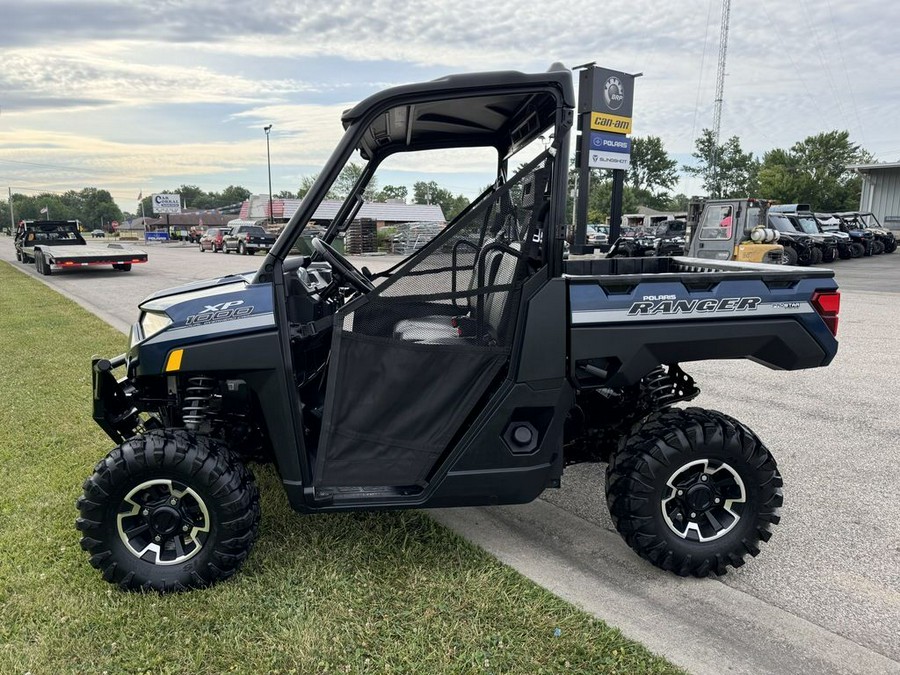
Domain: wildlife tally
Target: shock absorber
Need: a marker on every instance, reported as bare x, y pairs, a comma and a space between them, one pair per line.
197, 398
666, 385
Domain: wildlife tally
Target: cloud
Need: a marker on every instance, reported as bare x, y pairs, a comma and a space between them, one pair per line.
117, 87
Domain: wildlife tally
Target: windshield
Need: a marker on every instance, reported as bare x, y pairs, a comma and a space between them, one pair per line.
781, 223
808, 224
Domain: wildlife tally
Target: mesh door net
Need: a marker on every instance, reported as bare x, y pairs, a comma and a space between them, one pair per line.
413, 360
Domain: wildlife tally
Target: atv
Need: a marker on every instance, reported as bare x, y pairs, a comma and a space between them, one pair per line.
470, 373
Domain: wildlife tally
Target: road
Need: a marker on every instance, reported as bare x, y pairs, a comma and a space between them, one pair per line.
824, 595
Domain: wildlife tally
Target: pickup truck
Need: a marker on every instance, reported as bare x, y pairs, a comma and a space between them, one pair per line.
247, 238
58, 244
470, 373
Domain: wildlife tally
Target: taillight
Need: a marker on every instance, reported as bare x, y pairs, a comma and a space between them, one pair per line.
247, 238
828, 305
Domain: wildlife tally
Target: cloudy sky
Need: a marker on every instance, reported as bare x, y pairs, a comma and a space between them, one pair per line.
143, 96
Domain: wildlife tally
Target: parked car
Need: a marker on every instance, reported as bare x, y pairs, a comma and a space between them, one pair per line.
214, 239
247, 239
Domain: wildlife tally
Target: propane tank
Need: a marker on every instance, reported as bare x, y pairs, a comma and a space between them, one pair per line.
764, 235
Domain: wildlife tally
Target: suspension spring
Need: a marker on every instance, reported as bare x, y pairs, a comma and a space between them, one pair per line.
668, 386
197, 398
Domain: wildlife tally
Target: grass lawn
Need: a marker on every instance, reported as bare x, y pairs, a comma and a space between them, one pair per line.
367, 593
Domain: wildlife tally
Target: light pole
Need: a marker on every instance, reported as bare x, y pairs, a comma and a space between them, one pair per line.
267, 129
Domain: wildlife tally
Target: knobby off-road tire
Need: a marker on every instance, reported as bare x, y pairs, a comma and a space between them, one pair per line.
168, 511
662, 483
890, 246
877, 247
857, 250
828, 255
790, 256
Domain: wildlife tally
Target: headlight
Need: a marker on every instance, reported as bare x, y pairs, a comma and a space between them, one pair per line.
153, 322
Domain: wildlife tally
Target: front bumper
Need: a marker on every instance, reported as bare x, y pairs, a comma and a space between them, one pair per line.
113, 408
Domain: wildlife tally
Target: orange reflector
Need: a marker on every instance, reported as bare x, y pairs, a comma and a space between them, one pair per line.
174, 360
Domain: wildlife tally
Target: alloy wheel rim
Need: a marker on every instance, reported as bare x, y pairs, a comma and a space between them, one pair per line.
163, 522
704, 501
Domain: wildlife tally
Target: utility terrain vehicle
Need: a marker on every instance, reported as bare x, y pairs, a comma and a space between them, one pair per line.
800, 248
471, 373
666, 237
884, 240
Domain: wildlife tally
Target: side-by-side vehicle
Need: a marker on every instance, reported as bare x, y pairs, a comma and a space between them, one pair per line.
470, 373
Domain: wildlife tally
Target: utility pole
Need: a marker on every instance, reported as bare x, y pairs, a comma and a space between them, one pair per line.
720, 87
12, 215
269, 164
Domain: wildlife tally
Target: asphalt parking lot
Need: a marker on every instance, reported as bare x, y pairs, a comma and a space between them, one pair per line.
825, 591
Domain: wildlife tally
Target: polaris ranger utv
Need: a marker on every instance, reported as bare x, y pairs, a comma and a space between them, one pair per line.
471, 373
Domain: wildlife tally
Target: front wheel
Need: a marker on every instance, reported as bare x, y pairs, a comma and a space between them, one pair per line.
890, 246
693, 491
857, 250
877, 247
167, 511
790, 255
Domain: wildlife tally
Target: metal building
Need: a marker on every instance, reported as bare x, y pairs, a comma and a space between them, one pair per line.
881, 192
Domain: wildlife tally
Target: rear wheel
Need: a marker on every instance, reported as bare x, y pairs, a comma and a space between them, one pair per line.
41, 265
857, 250
122, 267
168, 511
877, 247
693, 491
242, 249
845, 253
201, 248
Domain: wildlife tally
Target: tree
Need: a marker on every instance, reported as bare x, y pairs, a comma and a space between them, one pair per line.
726, 170
233, 194
814, 171
431, 193
306, 183
651, 167
285, 194
392, 192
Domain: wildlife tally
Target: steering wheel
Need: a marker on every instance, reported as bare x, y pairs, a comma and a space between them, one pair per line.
342, 266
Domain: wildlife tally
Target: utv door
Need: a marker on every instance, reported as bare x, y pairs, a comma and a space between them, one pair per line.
717, 231
412, 359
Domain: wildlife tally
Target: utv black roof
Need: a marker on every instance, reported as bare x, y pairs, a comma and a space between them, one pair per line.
502, 109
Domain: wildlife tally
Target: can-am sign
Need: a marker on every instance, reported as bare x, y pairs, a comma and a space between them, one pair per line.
164, 203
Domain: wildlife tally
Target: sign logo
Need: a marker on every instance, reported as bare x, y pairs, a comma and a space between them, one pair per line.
166, 203
614, 123
601, 140
223, 311
614, 93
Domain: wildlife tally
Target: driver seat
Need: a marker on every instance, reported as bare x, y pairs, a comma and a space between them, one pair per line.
501, 271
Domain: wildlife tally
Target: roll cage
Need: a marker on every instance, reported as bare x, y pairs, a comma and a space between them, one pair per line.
503, 110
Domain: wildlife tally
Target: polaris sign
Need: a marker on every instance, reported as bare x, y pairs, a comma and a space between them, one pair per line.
610, 142
164, 203
609, 151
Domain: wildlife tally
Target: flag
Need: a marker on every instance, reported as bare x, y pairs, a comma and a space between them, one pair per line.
44, 210
140, 195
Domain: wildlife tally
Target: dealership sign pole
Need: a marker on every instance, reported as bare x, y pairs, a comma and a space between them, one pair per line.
605, 103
